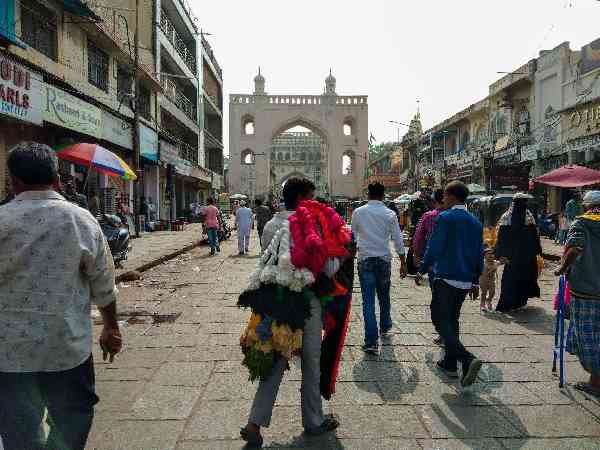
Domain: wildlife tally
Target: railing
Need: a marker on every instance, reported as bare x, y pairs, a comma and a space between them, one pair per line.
211, 140
188, 152
209, 51
187, 54
352, 100
178, 98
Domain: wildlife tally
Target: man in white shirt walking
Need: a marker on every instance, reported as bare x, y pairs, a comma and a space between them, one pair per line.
244, 218
54, 263
373, 225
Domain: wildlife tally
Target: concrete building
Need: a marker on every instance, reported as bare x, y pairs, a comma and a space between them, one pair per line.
192, 82
257, 121
80, 71
386, 168
541, 116
79, 67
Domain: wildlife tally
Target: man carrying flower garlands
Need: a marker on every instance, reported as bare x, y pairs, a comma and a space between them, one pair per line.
294, 284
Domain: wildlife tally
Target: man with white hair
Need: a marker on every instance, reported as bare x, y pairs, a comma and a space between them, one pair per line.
581, 263
243, 220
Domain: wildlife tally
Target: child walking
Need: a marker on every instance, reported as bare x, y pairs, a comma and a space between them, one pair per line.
487, 280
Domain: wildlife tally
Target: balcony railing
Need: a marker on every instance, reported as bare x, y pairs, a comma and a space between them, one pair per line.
211, 55
177, 97
188, 153
187, 54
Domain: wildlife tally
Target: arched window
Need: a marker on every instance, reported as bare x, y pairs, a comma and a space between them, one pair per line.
248, 125
348, 126
247, 157
280, 156
348, 163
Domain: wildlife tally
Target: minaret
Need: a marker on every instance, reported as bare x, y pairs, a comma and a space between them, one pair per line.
259, 84
330, 82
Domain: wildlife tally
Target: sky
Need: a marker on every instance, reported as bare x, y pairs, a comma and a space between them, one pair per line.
442, 54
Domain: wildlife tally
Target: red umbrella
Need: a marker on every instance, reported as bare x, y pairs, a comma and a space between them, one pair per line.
570, 177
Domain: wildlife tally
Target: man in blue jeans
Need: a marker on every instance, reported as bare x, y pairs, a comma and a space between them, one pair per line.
373, 225
455, 255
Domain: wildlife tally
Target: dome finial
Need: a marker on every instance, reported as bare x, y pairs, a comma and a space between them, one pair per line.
259, 83
330, 83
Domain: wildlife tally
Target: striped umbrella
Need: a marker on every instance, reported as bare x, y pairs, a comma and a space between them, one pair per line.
97, 158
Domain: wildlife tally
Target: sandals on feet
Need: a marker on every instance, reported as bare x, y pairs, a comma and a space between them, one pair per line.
588, 389
253, 438
329, 424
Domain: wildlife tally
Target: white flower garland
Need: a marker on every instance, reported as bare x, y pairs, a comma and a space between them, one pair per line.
275, 265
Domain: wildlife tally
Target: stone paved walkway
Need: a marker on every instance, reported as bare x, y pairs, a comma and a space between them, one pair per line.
181, 386
150, 247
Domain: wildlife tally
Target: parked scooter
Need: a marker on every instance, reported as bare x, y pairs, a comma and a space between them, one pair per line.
547, 225
116, 232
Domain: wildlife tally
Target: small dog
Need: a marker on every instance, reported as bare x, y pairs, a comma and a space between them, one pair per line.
487, 280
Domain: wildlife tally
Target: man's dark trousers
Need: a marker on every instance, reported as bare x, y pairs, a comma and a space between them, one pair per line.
445, 314
69, 397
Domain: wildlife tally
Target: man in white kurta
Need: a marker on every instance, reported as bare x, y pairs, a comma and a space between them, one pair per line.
243, 221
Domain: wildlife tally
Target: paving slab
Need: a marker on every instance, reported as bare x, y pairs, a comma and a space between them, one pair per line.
373, 422
108, 434
183, 374
554, 444
542, 421
460, 444
165, 402
456, 421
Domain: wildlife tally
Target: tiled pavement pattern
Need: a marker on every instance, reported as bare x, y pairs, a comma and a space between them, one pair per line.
181, 386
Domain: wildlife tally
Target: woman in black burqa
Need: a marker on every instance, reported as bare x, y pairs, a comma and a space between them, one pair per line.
518, 247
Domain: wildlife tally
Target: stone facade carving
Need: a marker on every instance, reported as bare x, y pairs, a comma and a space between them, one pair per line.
338, 123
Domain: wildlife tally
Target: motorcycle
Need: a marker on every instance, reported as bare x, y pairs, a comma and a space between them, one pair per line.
547, 226
116, 232
225, 231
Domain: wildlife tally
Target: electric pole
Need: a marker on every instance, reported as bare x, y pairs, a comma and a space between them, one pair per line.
137, 184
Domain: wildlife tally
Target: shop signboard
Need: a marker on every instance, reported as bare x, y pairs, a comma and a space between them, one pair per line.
581, 122
169, 154
502, 154
148, 142
116, 130
20, 92
584, 143
67, 111
529, 152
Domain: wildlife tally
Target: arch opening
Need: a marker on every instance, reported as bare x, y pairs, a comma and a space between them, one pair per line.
248, 157
300, 150
248, 125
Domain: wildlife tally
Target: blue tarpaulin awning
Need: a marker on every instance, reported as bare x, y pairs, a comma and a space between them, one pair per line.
80, 8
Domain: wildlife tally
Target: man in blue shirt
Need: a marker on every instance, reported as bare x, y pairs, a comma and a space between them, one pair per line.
455, 255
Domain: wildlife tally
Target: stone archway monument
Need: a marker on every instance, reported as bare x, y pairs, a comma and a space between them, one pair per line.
265, 146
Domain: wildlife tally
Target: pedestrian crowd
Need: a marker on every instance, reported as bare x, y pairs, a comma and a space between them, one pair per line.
299, 294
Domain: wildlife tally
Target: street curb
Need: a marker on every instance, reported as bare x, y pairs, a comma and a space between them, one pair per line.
156, 262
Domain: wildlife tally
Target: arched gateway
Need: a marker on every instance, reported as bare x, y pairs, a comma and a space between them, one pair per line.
322, 137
